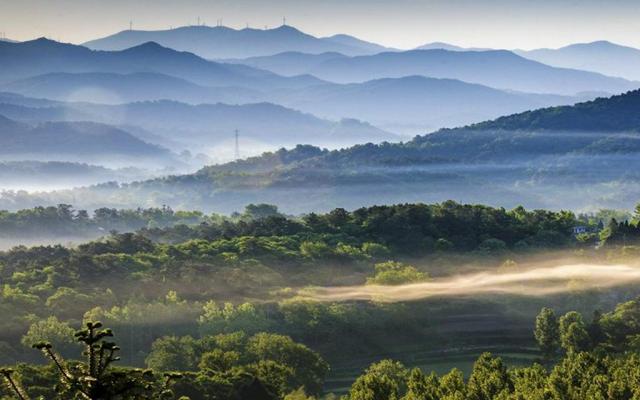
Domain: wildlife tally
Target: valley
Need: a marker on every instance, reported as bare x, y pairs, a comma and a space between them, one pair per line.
416, 201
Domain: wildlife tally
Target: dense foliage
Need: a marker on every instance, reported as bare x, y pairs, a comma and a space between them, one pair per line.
163, 279
259, 252
595, 360
218, 300
263, 367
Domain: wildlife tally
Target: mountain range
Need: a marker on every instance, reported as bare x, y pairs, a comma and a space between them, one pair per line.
601, 56
126, 106
42, 56
395, 104
224, 42
495, 68
227, 43
414, 103
405, 104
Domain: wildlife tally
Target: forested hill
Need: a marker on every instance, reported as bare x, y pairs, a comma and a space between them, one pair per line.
496, 156
517, 135
613, 114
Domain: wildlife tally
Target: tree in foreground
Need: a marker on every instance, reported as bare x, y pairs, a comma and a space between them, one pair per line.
547, 333
96, 378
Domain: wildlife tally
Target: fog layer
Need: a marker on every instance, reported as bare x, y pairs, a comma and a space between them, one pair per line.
530, 282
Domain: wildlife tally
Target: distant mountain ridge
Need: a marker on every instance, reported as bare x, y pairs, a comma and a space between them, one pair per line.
201, 125
42, 56
113, 88
290, 63
224, 42
449, 47
394, 104
151, 72
418, 101
496, 68
600, 56
348, 40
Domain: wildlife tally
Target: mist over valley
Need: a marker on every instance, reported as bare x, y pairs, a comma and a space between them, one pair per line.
355, 210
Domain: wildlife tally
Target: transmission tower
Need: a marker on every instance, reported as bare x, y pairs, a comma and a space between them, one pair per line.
236, 153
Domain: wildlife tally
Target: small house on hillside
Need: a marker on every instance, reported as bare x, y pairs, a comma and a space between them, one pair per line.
578, 230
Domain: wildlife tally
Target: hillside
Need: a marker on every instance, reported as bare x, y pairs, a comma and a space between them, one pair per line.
224, 42
548, 131
601, 56
78, 140
614, 114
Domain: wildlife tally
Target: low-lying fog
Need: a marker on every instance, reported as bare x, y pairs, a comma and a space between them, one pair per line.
525, 281
68, 241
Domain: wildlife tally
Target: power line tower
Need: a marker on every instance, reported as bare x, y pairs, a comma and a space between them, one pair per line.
130, 25
236, 153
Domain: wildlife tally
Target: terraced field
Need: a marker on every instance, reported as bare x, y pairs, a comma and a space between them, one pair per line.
450, 342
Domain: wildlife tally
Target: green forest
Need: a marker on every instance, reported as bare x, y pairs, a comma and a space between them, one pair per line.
222, 307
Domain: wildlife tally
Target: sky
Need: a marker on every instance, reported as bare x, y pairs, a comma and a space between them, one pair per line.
508, 24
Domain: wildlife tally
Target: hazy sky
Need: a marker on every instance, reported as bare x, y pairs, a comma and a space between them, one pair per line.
398, 23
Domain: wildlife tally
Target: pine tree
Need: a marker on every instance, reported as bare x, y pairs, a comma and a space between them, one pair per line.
96, 378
